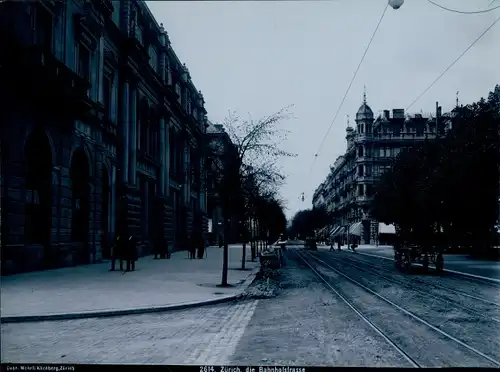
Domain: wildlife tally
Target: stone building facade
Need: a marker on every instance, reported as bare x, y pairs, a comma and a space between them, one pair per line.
371, 147
221, 148
102, 130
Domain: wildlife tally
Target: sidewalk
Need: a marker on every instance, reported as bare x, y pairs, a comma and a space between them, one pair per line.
156, 285
454, 263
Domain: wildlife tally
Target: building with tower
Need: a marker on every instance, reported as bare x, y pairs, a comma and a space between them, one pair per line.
371, 146
102, 131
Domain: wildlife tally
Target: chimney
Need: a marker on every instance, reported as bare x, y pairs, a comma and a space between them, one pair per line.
398, 113
387, 114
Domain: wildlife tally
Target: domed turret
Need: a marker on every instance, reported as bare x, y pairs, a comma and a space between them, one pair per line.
364, 112
364, 118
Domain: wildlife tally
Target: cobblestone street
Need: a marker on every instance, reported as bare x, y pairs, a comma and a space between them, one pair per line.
197, 336
293, 319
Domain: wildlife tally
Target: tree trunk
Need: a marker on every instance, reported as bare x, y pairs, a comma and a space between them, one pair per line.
243, 256
225, 258
252, 227
244, 253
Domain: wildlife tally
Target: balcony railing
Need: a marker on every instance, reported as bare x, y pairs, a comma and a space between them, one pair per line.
404, 136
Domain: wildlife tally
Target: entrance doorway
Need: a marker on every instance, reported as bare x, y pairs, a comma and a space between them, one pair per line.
80, 181
38, 183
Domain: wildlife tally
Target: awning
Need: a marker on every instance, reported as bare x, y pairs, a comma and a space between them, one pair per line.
339, 231
355, 229
386, 229
334, 230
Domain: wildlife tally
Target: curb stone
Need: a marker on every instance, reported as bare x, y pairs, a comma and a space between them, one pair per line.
134, 311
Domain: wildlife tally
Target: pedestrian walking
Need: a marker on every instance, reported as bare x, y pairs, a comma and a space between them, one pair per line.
117, 252
160, 248
164, 247
192, 247
132, 254
200, 245
157, 247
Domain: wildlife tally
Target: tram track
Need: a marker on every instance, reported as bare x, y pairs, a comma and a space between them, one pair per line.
381, 314
410, 284
471, 281
421, 281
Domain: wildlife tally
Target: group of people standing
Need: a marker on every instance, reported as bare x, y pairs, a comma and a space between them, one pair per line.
352, 242
124, 249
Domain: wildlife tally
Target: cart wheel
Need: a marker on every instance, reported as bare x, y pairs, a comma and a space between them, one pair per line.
397, 261
439, 263
425, 263
407, 262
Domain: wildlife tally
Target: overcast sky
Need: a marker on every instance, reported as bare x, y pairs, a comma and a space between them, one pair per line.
258, 57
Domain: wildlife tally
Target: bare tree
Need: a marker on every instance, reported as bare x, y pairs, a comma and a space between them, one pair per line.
249, 167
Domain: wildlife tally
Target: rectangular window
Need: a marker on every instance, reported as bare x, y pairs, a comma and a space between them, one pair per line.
153, 58
84, 62
382, 152
107, 96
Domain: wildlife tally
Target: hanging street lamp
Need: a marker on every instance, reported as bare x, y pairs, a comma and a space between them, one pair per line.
396, 4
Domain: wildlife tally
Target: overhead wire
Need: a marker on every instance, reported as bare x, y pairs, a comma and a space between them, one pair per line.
347, 91
429, 87
464, 12
349, 87
453, 63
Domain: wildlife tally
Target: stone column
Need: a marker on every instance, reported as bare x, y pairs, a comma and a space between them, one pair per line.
162, 156
94, 73
69, 37
146, 202
114, 98
365, 186
124, 126
167, 157
112, 209
101, 69
187, 169
133, 137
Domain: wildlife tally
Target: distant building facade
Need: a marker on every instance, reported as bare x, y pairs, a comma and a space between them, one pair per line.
221, 149
102, 131
371, 147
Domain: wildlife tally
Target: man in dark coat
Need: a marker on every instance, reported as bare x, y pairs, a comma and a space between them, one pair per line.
132, 254
163, 247
117, 252
192, 246
200, 244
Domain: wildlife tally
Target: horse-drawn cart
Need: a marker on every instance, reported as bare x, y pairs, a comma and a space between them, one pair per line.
406, 254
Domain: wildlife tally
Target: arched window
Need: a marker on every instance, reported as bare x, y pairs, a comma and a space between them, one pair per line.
178, 90
168, 71
153, 58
